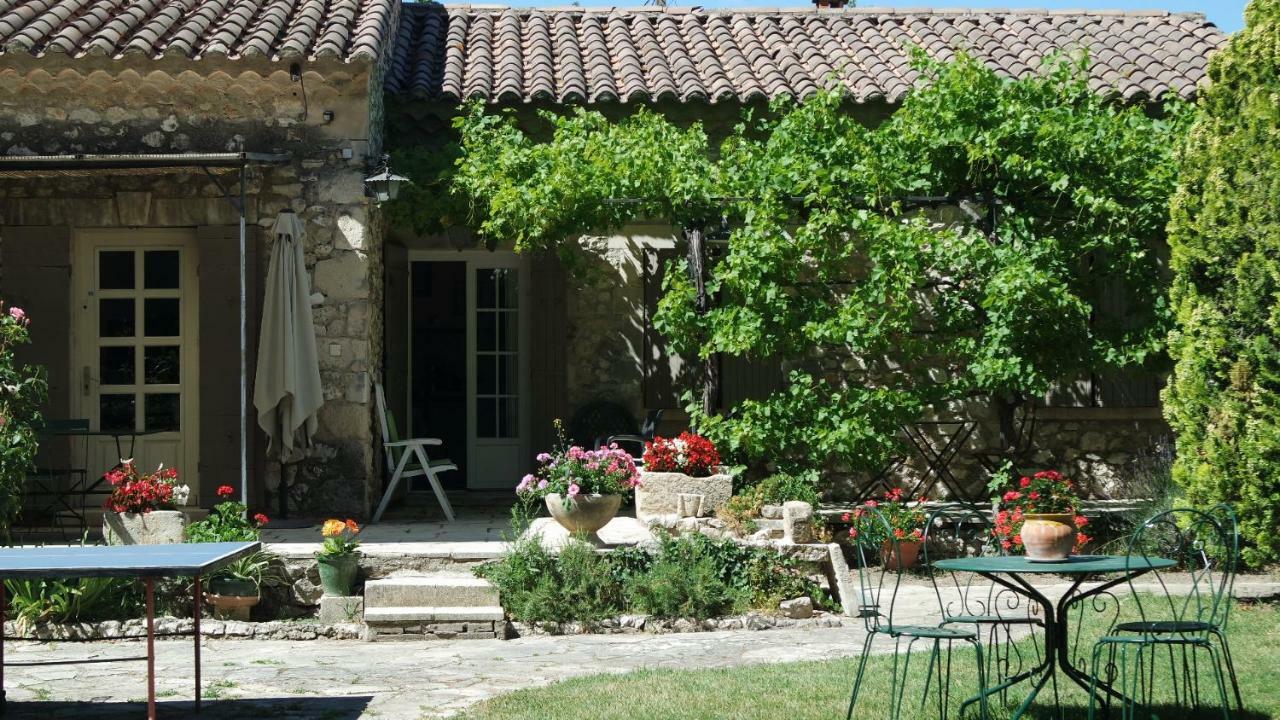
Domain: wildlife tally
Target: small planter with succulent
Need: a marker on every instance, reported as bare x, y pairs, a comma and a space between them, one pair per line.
582, 489
682, 476
236, 587
905, 521
1039, 515
143, 507
339, 558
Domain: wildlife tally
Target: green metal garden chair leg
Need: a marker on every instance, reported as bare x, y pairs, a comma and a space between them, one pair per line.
857, 679
1231, 666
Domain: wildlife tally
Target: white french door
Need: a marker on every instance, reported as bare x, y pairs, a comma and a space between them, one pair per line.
497, 366
135, 348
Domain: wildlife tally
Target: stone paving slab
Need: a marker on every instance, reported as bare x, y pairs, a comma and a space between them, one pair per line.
341, 680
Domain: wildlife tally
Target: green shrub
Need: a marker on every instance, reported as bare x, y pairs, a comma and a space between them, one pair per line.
537, 586
682, 586
22, 390
73, 600
744, 506
1223, 398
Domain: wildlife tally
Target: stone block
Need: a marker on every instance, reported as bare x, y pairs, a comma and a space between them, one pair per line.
800, 608
341, 609
797, 522
659, 493
345, 276
771, 512
158, 527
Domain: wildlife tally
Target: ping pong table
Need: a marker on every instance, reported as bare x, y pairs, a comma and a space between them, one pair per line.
194, 560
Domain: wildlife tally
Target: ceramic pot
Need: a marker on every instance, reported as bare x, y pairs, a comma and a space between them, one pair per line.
231, 598
1049, 537
585, 513
906, 558
338, 573
158, 527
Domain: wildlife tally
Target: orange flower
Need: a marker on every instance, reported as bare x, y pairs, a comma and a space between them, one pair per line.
333, 528
352, 526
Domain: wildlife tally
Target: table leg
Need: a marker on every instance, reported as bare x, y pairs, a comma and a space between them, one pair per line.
151, 649
1084, 678
1042, 673
195, 621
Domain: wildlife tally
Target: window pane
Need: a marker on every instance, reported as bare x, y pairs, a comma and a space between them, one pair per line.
507, 290
486, 292
508, 324
507, 380
160, 365
115, 412
160, 317
115, 365
486, 331
507, 418
115, 317
162, 412
160, 269
486, 375
486, 419
115, 270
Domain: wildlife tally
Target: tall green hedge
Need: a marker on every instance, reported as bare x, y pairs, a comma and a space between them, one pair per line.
1224, 397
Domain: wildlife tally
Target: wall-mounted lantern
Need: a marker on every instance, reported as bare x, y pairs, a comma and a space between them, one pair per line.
385, 185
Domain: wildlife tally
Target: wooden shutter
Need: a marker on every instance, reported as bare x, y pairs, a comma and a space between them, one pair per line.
395, 331
218, 250
548, 369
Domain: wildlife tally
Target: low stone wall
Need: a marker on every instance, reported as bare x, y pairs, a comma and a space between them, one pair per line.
469, 630
630, 624
136, 629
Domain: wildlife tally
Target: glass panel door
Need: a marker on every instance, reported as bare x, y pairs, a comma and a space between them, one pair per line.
497, 390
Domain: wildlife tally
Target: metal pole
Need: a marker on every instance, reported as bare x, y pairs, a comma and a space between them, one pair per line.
195, 621
244, 350
4, 600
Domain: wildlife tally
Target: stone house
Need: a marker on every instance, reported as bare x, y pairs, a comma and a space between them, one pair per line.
183, 101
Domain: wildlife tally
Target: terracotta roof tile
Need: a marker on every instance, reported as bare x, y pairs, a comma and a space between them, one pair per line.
605, 55
344, 30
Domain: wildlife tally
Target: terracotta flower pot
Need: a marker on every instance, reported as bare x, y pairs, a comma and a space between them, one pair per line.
338, 573
586, 513
906, 558
1049, 537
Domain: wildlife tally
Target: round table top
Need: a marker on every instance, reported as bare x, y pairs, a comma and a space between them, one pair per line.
1074, 565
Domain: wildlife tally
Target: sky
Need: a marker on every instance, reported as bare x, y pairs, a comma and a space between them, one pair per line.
1226, 14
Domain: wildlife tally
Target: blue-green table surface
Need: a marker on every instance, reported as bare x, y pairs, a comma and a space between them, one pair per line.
1074, 565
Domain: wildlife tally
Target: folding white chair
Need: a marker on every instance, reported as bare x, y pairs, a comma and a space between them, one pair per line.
409, 459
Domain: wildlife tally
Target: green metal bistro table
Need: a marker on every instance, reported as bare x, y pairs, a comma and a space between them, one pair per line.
1016, 573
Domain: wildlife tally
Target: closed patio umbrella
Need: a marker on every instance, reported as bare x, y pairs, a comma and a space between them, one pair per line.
287, 392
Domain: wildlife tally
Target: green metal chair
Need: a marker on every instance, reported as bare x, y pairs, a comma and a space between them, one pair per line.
994, 611
1176, 621
877, 606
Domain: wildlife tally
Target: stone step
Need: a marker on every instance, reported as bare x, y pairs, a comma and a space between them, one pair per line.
424, 613
436, 590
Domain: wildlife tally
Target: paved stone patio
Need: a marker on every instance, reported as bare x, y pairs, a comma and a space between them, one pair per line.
342, 680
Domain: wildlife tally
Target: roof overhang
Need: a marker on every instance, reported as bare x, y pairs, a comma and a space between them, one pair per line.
13, 166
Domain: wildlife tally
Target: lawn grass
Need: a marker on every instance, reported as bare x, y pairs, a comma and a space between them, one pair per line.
813, 690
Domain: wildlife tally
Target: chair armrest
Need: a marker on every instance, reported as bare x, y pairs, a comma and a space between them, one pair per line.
414, 441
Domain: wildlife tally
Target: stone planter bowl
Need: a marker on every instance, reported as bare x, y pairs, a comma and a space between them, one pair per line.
586, 513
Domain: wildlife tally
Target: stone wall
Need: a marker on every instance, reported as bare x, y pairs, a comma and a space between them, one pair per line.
329, 126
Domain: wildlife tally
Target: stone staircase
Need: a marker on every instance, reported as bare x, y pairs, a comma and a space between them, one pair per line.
441, 605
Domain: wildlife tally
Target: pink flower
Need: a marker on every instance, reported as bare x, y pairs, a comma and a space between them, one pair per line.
525, 483
1024, 482
574, 490
543, 457
17, 314
542, 484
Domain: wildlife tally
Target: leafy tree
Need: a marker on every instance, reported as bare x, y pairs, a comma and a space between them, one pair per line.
1224, 397
955, 252
22, 389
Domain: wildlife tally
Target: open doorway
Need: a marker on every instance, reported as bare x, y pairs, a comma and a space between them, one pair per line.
438, 338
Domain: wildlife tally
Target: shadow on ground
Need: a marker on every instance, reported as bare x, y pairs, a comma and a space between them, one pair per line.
289, 708
1155, 712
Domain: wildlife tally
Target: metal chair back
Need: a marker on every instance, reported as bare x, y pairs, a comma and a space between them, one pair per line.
878, 584
1206, 547
961, 532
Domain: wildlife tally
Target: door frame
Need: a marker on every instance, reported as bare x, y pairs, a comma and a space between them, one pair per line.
84, 244
476, 260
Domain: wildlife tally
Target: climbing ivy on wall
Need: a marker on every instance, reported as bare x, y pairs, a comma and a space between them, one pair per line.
1223, 399
956, 251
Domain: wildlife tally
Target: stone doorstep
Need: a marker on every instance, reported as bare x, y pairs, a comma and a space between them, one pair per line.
435, 590
341, 609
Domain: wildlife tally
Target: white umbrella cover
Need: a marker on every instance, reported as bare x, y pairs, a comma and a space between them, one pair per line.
287, 392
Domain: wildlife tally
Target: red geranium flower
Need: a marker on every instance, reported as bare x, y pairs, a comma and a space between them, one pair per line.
226, 491
261, 519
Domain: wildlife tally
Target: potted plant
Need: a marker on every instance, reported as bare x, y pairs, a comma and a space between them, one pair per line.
142, 507
905, 521
236, 587
339, 556
1040, 517
687, 465
582, 488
